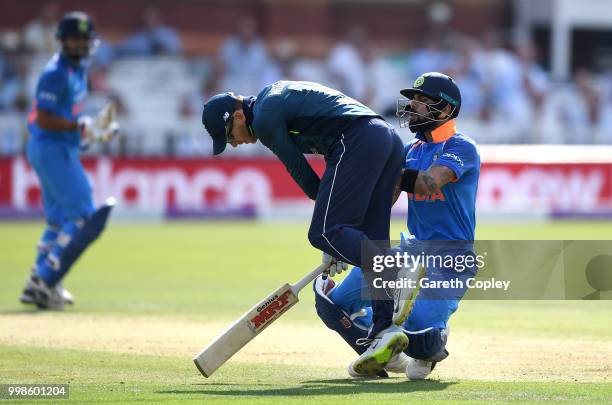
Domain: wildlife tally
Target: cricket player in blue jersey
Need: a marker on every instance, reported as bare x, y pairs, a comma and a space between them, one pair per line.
440, 175
364, 157
58, 131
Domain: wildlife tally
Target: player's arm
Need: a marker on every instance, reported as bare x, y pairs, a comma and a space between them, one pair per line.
105, 130
51, 122
458, 157
272, 132
51, 91
85, 125
426, 182
430, 181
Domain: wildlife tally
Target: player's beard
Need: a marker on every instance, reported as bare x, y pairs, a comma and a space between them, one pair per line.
78, 53
424, 123
427, 122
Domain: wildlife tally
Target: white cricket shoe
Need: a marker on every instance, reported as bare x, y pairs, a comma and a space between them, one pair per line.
419, 369
28, 294
37, 292
398, 363
65, 294
387, 344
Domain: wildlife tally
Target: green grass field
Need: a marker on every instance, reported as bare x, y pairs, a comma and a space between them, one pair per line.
150, 296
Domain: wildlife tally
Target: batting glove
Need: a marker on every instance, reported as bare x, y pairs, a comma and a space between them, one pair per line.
86, 129
334, 266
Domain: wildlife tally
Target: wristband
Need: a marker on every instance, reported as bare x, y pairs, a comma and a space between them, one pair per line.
409, 178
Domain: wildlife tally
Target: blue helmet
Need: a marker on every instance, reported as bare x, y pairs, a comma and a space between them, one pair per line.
441, 89
76, 24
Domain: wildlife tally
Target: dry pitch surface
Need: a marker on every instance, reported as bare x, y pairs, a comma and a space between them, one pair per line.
485, 356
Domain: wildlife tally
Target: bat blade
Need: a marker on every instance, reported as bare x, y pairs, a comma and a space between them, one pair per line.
107, 115
241, 332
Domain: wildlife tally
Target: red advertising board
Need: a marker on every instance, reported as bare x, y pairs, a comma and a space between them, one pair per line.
158, 184
550, 187
153, 184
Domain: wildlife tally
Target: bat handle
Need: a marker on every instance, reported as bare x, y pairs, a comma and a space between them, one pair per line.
297, 287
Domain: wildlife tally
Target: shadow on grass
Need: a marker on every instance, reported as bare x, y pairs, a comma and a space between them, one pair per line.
322, 387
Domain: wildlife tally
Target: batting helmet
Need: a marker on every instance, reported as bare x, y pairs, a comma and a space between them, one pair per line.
439, 87
76, 24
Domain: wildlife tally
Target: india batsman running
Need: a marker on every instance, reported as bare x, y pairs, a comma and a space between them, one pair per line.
353, 199
58, 131
440, 175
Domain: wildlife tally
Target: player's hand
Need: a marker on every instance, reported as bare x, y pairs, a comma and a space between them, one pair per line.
86, 128
92, 133
334, 266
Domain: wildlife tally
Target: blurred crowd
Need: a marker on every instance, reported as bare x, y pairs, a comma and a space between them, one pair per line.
508, 97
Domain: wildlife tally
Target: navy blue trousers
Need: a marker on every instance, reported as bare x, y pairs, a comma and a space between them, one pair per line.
354, 199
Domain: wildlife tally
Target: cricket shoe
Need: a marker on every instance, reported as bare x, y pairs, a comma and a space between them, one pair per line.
382, 348
39, 293
398, 363
403, 298
420, 369
27, 296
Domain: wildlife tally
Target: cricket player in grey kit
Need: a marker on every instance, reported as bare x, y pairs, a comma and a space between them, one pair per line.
364, 156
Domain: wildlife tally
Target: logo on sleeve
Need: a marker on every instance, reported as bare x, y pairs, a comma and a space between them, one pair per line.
453, 157
47, 96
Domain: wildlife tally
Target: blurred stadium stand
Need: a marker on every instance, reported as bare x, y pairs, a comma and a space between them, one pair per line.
522, 79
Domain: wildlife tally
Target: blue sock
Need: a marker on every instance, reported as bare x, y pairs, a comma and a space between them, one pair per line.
44, 245
48, 270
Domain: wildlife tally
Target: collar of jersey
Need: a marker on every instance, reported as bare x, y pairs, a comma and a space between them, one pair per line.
248, 103
442, 133
66, 61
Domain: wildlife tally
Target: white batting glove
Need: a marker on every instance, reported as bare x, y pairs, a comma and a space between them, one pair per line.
334, 266
87, 130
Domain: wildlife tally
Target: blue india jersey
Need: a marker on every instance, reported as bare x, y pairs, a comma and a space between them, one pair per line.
449, 214
61, 91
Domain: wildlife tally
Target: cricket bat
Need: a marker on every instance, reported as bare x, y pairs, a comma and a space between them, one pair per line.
107, 115
256, 319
